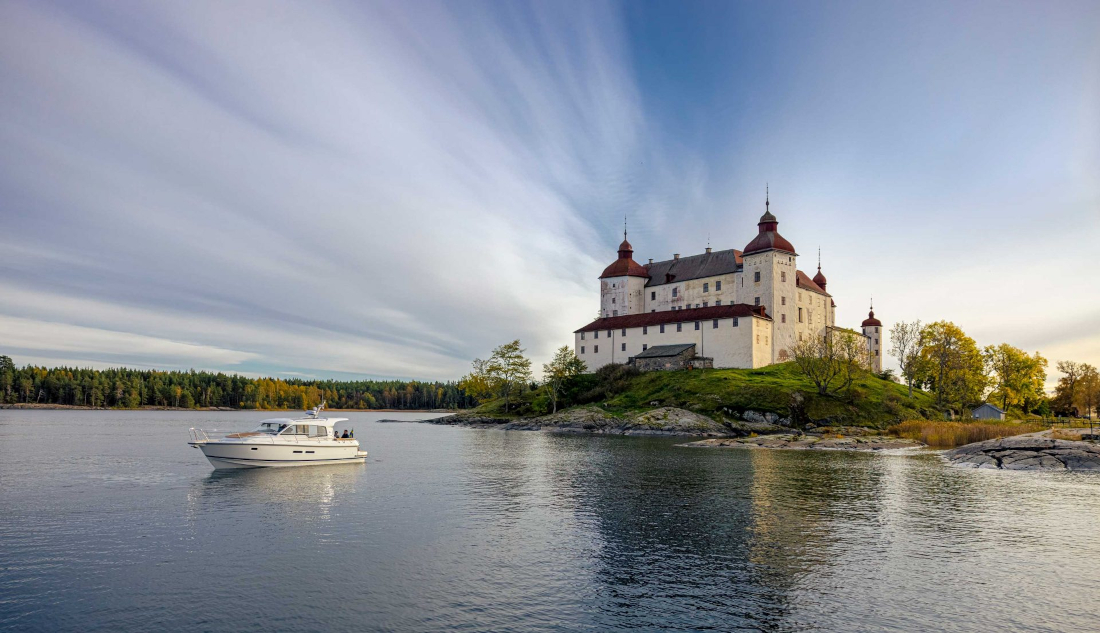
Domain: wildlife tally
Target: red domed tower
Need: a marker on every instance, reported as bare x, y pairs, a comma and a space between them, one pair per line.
872, 329
768, 278
622, 284
819, 278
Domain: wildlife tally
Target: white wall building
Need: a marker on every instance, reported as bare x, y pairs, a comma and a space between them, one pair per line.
743, 308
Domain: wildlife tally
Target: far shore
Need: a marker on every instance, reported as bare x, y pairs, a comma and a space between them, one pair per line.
79, 407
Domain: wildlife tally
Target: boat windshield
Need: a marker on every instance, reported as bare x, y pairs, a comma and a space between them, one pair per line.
270, 427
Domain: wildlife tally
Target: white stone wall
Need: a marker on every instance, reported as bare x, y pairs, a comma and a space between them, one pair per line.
876, 335
691, 293
776, 292
816, 314
621, 295
747, 345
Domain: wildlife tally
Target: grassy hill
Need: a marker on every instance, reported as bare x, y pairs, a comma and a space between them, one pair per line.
727, 393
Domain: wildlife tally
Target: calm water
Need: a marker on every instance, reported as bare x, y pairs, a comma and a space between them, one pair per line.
109, 521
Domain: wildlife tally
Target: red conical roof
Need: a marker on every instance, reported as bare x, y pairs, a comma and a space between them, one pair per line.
871, 320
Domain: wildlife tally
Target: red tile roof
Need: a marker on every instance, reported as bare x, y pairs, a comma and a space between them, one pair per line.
871, 320
625, 265
803, 280
675, 316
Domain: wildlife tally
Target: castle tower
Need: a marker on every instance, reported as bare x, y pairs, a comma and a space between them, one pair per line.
768, 279
622, 284
872, 329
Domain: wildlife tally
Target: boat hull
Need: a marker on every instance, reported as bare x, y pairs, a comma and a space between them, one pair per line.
233, 455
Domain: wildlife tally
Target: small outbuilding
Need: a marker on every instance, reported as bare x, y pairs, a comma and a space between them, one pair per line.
987, 412
670, 357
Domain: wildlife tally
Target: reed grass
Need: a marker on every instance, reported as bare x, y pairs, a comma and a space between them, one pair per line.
952, 434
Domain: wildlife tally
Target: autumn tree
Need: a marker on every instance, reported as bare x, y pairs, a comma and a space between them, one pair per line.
1088, 388
906, 341
509, 370
561, 368
951, 365
1016, 378
1065, 393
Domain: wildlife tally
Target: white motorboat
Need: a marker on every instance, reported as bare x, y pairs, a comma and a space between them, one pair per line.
305, 441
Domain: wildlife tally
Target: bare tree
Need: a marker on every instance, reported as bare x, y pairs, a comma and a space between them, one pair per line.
832, 361
906, 341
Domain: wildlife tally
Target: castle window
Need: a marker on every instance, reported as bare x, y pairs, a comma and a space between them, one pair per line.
614, 313
756, 300
582, 336
653, 296
756, 276
596, 334
624, 347
783, 318
696, 325
734, 321
612, 299
783, 301
705, 304
717, 286
679, 327
644, 347
718, 303
609, 334
757, 339
624, 331
595, 349
800, 316
714, 324
645, 330
696, 305
876, 352
675, 292
653, 310
662, 328
582, 349
783, 276
706, 287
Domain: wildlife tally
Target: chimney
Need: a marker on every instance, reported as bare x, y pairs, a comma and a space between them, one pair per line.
651, 260
708, 250
675, 256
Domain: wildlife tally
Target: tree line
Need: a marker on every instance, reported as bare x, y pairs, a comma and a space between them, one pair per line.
132, 388
940, 358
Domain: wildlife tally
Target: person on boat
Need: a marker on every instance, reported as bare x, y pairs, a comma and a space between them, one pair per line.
345, 435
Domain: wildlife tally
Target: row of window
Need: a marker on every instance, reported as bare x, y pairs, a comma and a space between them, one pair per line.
596, 350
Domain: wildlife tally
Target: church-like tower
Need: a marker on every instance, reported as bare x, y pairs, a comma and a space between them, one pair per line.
622, 284
872, 329
769, 278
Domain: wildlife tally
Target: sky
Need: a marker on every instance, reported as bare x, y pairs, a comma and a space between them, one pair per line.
391, 189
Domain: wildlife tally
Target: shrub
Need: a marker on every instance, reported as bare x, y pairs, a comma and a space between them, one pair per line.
952, 434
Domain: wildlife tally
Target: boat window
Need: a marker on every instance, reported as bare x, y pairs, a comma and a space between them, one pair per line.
297, 429
317, 431
268, 427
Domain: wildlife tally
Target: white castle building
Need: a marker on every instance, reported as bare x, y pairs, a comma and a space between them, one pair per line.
744, 308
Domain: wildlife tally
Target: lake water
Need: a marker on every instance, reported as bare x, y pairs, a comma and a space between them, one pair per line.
109, 521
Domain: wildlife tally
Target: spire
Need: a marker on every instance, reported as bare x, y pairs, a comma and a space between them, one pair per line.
624, 227
818, 259
767, 198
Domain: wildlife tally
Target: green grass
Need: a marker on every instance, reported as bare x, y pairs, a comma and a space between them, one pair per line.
717, 393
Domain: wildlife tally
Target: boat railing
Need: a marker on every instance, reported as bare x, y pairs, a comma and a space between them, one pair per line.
204, 435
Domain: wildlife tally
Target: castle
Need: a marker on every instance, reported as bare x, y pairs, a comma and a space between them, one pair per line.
727, 308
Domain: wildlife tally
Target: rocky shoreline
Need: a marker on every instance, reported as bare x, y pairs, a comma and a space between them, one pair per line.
669, 421
1036, 451
810, 442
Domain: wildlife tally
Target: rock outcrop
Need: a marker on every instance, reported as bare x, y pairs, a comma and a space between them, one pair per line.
810, 442
591, 419
1027, 452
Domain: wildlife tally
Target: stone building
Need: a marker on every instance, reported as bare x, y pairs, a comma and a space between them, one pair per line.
743, 308
666, 357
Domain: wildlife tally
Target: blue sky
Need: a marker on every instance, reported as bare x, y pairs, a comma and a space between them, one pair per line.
391, 189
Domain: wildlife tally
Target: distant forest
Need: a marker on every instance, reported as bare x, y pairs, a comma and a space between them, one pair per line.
131, 388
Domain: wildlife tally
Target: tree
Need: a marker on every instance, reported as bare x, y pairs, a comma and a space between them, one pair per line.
831, 361
478, 384
1065, 393
1088, 388
509, 370
1017, 378
906, 341
952, 365
561, 368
